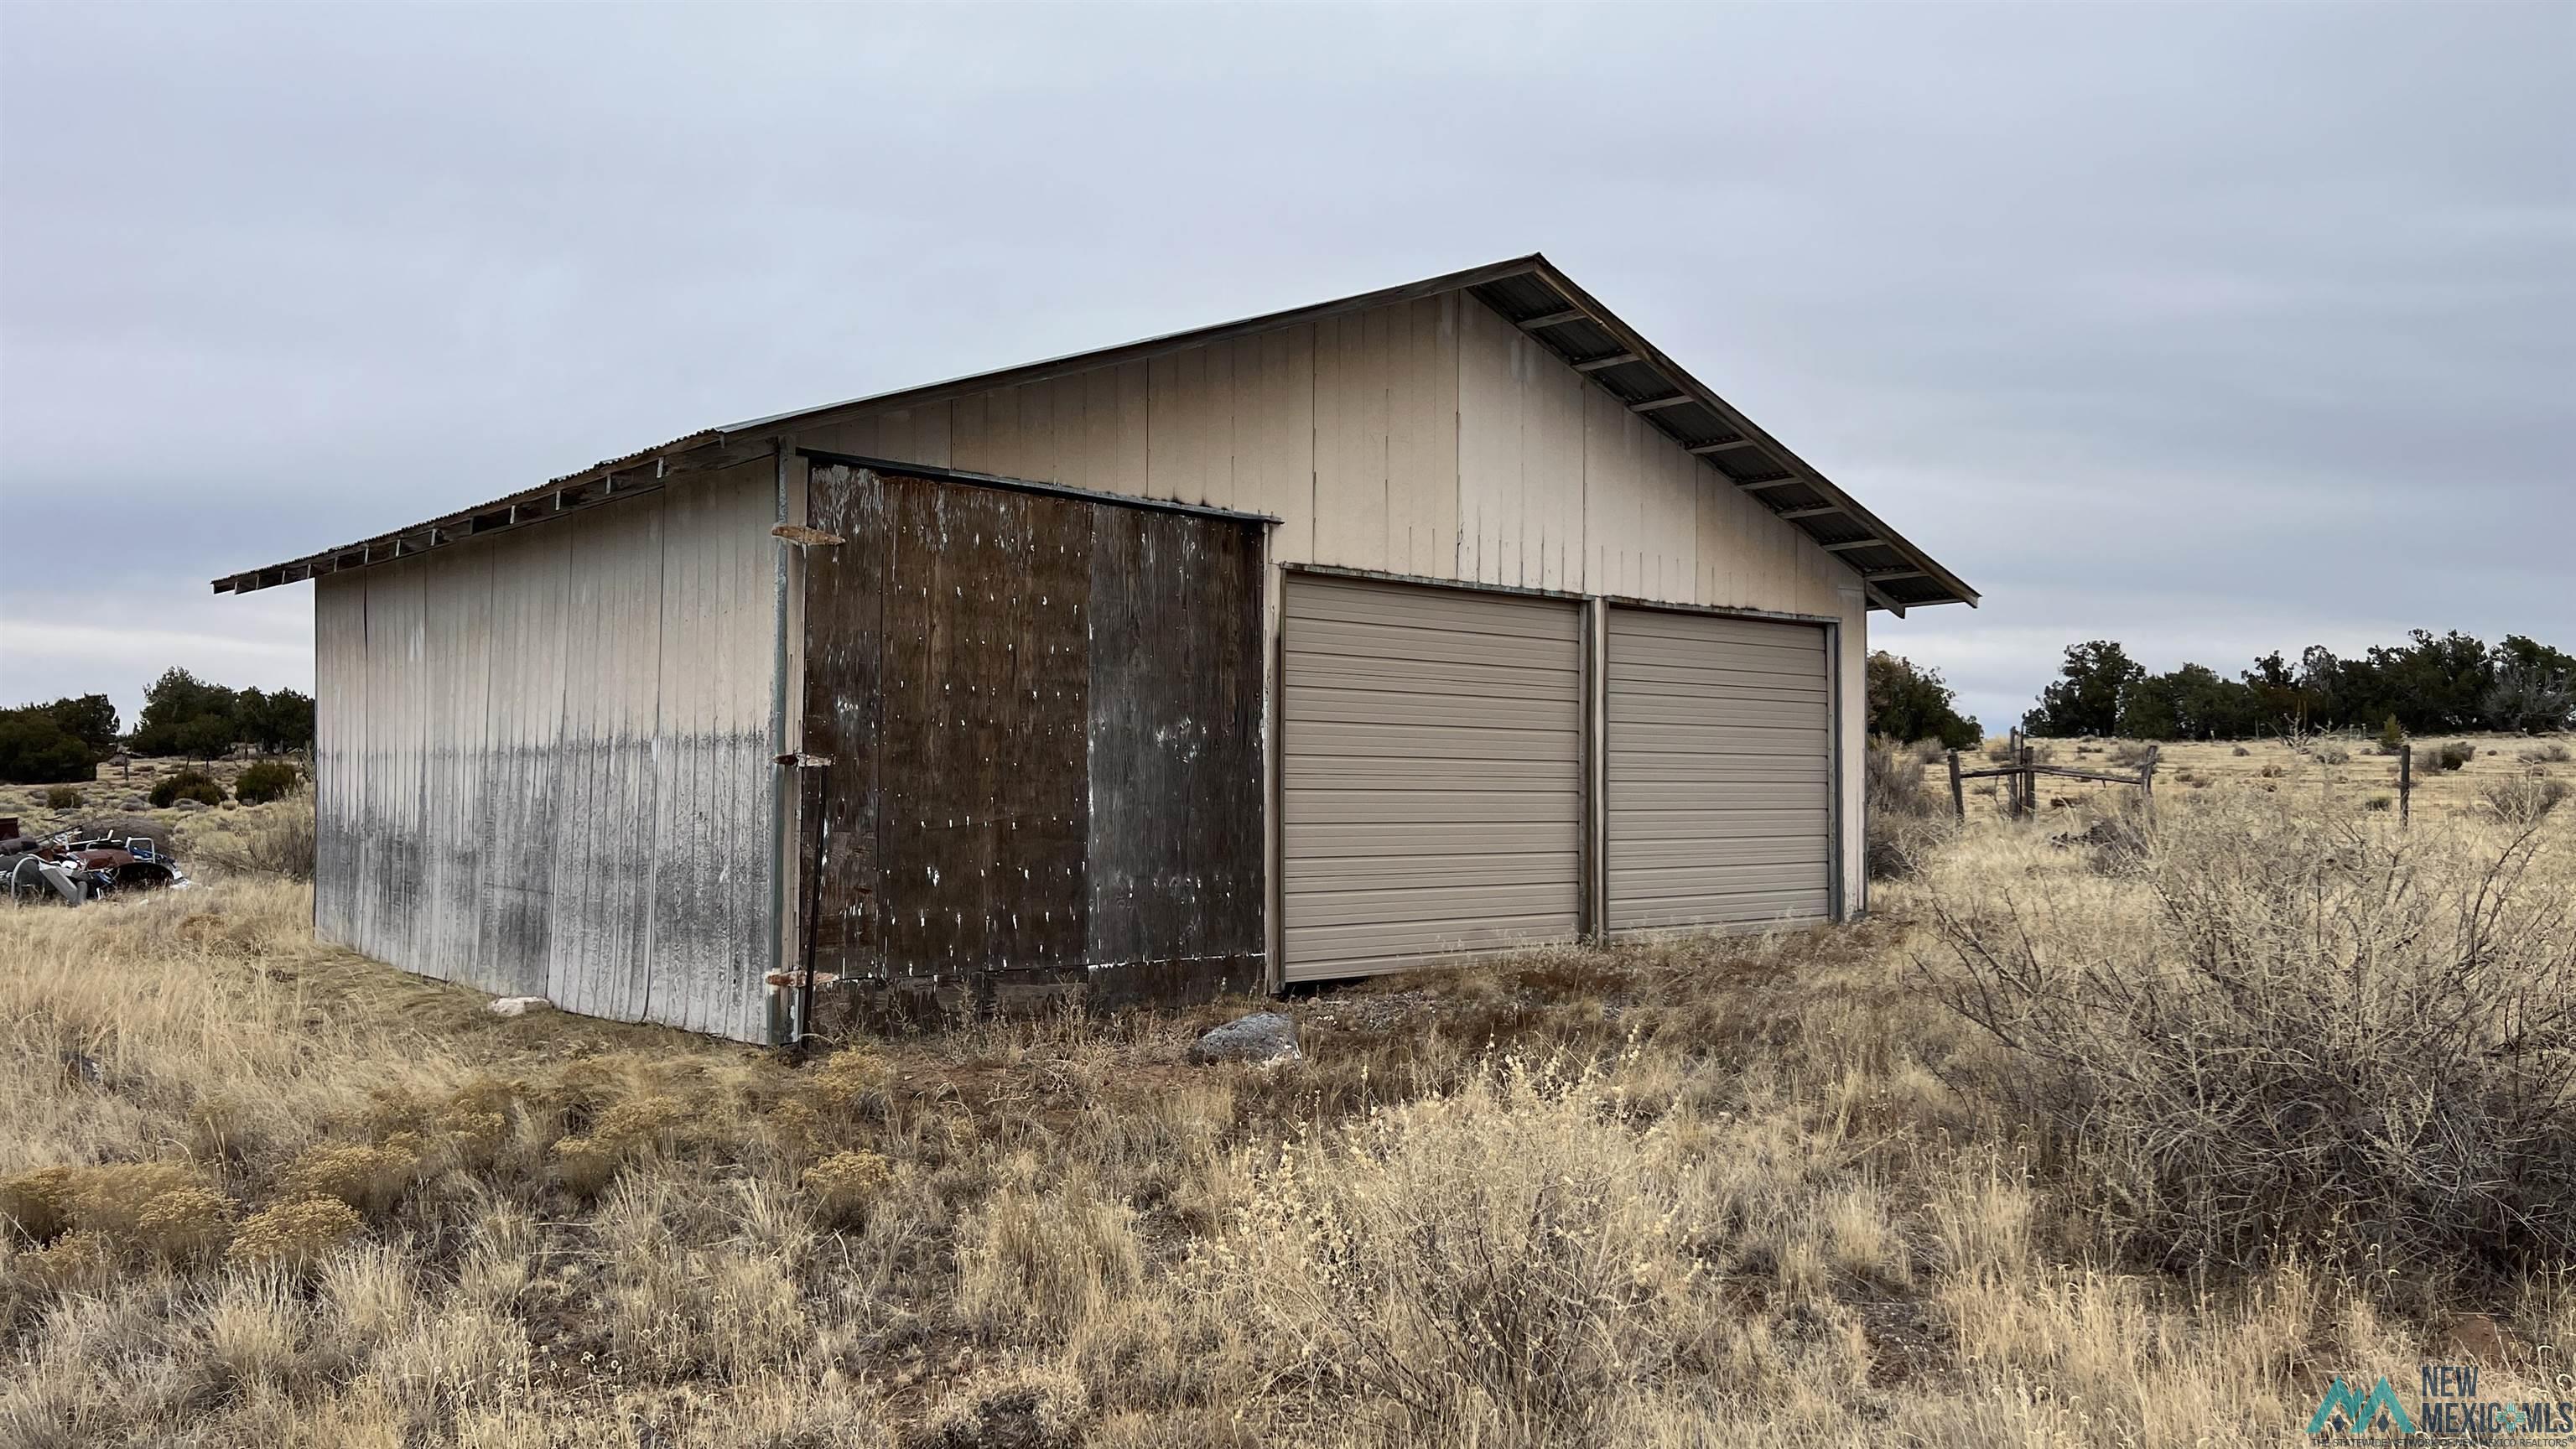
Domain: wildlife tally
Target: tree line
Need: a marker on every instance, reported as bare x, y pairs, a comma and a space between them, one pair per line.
182, 715
2428, 685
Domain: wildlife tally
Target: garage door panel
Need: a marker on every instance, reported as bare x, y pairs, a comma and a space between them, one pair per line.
1426, 708
1722, 726
1714, 799
1364, 603
1428, 808
1409, 740
1749, 908
1405, 772
1669, 663
1434, 870
1718, 771
1431, 780
1363, 950
1323, 843
1735, 823
1447, 906
1332, 639
1431, 677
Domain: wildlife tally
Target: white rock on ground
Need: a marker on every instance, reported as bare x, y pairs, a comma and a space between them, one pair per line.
1266, 1037
518, 1005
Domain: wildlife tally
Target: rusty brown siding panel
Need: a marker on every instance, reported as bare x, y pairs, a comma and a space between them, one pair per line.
844, 613
982, 776
1042, 715
1175, 851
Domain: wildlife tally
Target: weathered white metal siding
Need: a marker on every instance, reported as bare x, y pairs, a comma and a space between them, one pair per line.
1428, 438
543, 759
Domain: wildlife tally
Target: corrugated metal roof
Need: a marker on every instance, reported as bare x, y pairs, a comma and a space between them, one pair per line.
1528, 291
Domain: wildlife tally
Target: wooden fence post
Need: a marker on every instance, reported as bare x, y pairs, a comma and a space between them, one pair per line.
2147, 776
1958, 796
2029, 781
2405, 782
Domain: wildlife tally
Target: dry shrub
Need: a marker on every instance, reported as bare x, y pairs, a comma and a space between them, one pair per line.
38, 1202
276, 841
1021, 1407
2333, 755
1902, 821
2240, 752
369, 1179
163, 1208
1490, 1266
843, 1186
2435, 759
2524, 799
629, 1129
2130, 753
2552, 753
853, 1080
294, 1235
183, 1223
2302, 1034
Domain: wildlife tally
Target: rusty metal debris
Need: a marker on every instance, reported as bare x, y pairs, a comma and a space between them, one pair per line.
86, 864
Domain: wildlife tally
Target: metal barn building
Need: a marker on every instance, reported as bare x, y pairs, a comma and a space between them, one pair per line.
1324, 643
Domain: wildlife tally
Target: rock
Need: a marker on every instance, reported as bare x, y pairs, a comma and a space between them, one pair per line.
137, 803
518, 1005
192, 804
1267, 1037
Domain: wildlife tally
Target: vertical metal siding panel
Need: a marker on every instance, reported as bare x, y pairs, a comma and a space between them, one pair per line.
1351, 441
1614, 496
1490, 508
1851, 746
1552, 438
1431, 794
457, 671
390, 920
1274, 467
1719, 771
339, 752
711, 790
527, 772
605, 850
1422, 439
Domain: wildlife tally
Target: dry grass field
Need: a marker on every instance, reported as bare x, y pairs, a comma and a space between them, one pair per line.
2330, 771
2099, 1132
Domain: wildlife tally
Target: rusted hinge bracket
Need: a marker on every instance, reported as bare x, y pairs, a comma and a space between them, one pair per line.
803, 537
806, 762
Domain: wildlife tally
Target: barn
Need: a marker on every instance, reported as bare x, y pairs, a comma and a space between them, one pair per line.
1440, 619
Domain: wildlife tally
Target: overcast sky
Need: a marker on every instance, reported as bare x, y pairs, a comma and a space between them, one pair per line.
2206, 329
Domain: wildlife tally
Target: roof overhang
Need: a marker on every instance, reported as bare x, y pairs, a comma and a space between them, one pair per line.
1529, 292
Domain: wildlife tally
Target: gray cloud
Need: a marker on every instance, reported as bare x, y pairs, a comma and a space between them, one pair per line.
2211, 330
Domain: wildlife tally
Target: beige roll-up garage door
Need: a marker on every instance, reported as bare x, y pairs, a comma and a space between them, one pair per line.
1719, 772
1431, 786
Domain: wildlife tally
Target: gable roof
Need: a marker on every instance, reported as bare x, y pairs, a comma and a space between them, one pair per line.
1527, 291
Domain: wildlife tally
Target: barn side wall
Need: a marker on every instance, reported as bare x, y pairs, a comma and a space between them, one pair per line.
543, 763
1429, 438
